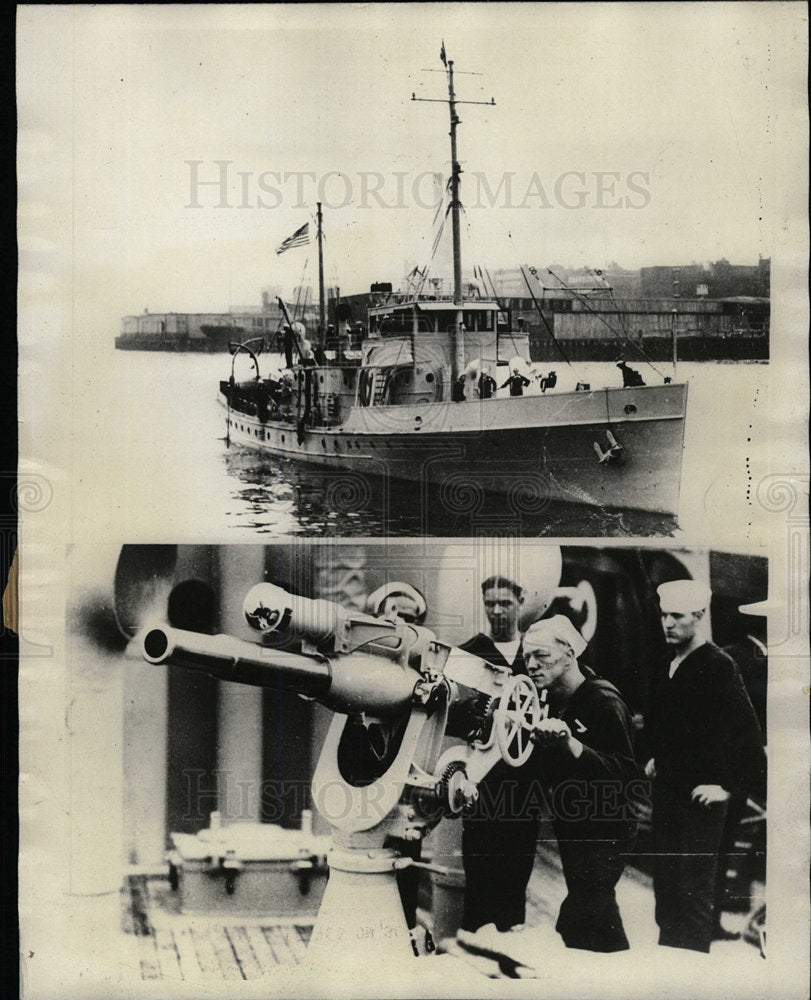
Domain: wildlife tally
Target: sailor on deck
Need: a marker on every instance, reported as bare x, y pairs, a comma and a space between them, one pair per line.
585, 758
487, 384
630, 376
703, 734
458, 389
498, 837
517, 383
548, 381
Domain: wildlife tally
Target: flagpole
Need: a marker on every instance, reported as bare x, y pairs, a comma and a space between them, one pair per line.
321, 302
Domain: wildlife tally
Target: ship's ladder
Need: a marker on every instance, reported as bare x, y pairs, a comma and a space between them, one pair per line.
381, 388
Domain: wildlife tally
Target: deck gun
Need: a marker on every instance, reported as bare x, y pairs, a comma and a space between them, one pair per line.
418, 723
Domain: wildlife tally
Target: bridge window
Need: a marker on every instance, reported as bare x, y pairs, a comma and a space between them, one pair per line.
478, 319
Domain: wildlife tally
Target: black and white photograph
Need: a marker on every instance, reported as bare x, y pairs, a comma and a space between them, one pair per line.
455, 762
413, 538
526, 267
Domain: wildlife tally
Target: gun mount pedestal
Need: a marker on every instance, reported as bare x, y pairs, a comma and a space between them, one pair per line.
361, 915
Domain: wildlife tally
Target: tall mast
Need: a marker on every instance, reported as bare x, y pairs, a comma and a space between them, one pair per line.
458, 345
321, 300
455, 171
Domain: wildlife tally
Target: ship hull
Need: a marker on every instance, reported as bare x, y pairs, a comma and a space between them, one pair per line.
555, 447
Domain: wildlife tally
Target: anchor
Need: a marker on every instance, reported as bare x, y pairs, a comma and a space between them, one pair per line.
613, 451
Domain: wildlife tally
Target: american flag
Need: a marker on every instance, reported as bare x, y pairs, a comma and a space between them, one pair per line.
300, 238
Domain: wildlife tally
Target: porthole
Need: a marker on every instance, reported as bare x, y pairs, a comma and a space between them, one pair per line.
630, 409
429, 377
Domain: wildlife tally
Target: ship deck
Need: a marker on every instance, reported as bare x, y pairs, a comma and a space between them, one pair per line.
171, 945
168, 945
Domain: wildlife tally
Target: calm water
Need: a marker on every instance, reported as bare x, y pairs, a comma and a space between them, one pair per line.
162, 443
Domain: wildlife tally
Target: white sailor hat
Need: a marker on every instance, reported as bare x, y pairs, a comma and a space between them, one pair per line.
758, 609
683, 596
557, 627
405, 601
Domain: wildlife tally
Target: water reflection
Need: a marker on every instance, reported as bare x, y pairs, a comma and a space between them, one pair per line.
281, 496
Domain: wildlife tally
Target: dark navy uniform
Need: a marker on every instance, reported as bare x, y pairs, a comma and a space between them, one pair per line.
517, 383
498, 837
702, 730
594, 820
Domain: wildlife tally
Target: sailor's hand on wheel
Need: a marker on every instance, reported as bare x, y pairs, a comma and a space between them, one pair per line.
650, 768
550, 732
706, 795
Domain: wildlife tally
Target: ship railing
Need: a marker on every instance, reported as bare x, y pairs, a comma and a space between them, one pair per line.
406, 298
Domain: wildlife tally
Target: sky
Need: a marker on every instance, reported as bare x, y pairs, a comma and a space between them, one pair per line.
183, 143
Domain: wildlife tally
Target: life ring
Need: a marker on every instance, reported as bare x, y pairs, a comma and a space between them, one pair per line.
365, 382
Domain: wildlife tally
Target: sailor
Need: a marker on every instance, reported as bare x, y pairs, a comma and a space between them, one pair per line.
487, 384
517, 382
288, 346
286, 395
498, 837
750, 656
630, 376
344, 344
459, 389
398, 600
703, 734
548, 381
272, 391
307, 357
585, 759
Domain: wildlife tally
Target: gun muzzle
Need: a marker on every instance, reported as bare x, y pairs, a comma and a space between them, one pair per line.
356, 682
232, 659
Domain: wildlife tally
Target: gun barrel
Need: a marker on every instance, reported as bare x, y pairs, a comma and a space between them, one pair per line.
232, 659
357, 682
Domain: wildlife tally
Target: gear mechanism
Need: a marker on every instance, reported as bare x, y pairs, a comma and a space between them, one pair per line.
455, 790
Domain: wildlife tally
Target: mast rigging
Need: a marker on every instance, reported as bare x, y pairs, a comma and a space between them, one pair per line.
458, 352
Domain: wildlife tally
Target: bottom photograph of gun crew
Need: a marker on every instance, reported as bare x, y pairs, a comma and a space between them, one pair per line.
483, 749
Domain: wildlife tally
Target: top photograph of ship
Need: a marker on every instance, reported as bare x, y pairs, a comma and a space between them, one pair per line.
443, 389
418, 401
